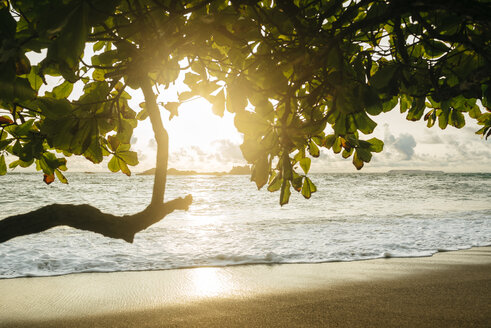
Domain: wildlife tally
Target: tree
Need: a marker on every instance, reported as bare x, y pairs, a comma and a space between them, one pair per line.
289, 70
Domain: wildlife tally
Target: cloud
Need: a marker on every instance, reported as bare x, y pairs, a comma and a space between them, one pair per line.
431, 138
405, 144
226, 151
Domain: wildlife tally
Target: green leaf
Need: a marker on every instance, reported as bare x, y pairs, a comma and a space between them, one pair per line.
313, 149
363, 154
94, 152
124, 168
329, 141
67, 48
308, 188
417, 109
63, 90
297, 182
113, 164
3, 165
61, 177
305, 164
443, 118
285, 192
383, 76
434, 48
54, 108
129, 157
347, 153
457, 119
376, 145
364, 123
98, 46
23, 90
260, 172
357, 162
275, 183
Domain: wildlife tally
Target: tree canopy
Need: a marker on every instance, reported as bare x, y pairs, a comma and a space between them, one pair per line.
298, 75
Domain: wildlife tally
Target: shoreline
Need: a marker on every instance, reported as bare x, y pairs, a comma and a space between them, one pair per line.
447, 289
382, 257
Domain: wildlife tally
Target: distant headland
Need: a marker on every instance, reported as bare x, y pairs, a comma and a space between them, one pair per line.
236, 170
414, 172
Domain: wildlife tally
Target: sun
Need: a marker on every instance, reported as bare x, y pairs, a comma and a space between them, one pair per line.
194, 128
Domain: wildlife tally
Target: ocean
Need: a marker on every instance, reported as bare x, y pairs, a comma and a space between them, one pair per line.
351, 217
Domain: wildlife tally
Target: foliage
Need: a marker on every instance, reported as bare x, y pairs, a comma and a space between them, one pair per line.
299, 75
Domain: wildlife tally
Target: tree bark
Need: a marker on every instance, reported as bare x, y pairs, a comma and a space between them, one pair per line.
86, 217
162, 139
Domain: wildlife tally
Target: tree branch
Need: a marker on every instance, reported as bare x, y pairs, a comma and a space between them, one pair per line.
162, 139
86, 217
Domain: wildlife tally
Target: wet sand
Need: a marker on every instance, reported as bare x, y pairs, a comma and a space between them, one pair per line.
451, 289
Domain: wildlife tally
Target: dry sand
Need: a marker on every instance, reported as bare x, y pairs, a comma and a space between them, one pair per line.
451, 289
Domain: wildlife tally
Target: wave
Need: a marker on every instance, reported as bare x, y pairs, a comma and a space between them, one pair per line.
227, 260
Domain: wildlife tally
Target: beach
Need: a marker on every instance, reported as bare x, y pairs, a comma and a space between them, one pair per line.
449, 289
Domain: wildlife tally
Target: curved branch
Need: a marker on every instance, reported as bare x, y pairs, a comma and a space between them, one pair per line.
86, 217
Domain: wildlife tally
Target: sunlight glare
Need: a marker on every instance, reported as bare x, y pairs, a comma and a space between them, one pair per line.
208, 282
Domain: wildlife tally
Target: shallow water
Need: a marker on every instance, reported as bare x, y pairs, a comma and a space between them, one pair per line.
351, 217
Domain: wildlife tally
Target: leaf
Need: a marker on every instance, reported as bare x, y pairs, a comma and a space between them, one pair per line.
129, 157
443, 118
113, 164
347, 153
67, 48
417, 109
363, 154
98, 45
285, 192
23, 90
376, 145
313, 149
54, 108
5, 120
48, 178
3, 165
383, 76
218, 107
305, 164
114, 142
173, 108
61, 177
308, 188
297, 182
124, 168
434, 48
364, 123
63, 90
457, 119
275, 183
260, 172
357, 162
94, 152
329, 141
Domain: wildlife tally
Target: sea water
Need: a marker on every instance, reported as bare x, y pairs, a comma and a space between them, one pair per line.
351, 217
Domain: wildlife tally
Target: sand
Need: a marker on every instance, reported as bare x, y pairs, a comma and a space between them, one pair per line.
450, 289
